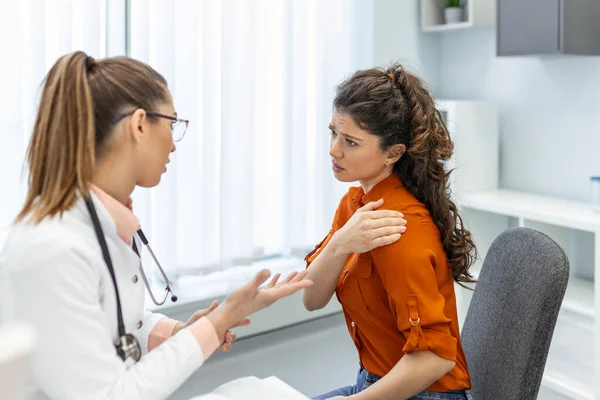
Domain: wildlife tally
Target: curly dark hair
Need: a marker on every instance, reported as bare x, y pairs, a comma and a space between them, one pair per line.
395, 105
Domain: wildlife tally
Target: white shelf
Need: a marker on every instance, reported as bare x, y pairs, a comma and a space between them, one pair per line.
566, 387
579, 297
477, 13
448, 27
546, 209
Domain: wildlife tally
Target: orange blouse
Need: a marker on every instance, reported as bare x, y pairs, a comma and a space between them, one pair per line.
399, 298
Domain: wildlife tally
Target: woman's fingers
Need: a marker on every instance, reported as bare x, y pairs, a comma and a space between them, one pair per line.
274, 280
387, 221
295, 276
385, 240
230, 337
256, 282
289, 278
226, 347
387, 231
213, 306
281, 291
373, 205
261, 277
244, 322
204, 312
384, 214
299, 276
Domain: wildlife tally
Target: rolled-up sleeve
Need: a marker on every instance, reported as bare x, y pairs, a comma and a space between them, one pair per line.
155, 330
338, 222
407, 270
310, 257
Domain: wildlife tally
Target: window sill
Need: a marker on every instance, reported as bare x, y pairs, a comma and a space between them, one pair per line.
198, 292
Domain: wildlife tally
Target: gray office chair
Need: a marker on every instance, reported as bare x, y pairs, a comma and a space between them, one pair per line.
511, 318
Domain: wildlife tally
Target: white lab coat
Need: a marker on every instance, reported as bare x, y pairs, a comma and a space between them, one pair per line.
53, 276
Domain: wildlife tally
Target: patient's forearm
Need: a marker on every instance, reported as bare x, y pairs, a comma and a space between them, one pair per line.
324, 271
414, 373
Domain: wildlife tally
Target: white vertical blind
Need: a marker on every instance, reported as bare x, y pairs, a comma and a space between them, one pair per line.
239, 92
33, 35
256, 79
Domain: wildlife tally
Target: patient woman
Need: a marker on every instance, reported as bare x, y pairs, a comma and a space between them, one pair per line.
398, 299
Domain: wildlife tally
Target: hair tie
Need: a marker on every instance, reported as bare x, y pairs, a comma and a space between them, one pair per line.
90, 63
393, 78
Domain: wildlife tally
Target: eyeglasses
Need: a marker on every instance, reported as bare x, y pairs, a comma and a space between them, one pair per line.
178, 126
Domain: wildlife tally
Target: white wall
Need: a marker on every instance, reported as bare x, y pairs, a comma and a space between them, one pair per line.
397, 37
549, 107
549, 111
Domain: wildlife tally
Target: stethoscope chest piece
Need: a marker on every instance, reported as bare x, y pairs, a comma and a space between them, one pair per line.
129, 347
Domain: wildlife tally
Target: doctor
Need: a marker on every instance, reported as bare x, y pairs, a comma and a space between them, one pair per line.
71, 264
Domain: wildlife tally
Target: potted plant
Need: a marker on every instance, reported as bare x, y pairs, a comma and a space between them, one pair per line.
453, 12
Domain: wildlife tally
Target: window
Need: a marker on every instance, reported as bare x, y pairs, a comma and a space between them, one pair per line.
33, 35
251, 179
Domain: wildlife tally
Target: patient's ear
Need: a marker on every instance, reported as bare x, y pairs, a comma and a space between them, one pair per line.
394, 153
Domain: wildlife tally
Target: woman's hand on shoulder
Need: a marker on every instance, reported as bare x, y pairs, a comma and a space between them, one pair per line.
369, 228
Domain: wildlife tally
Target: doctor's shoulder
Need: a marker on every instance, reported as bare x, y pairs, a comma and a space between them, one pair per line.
48, 244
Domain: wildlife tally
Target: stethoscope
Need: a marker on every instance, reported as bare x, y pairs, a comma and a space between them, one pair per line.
127, 345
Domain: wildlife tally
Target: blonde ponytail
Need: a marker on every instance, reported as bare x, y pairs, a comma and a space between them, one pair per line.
61, 154
80, 99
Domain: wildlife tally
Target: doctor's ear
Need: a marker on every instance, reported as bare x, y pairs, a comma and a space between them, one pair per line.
137, 124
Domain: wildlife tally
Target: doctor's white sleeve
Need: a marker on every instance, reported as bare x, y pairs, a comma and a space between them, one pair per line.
56, 289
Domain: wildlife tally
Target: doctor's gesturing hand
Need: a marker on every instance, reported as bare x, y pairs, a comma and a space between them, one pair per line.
245, 301
251, 298
229, 337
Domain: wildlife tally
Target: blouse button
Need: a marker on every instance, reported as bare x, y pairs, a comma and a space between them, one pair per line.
352, 324
139, 325
134, 279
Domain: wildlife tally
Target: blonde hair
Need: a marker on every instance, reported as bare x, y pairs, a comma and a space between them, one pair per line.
81, 97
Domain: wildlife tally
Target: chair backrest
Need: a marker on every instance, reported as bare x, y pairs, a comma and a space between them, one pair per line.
511, 318
17, 344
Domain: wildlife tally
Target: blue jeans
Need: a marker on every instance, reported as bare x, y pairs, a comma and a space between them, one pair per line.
364, 379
